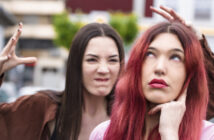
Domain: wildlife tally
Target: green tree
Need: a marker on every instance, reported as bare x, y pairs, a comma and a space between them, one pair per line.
65, 29
126, 25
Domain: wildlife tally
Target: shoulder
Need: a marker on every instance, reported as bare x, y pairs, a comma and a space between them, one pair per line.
99, 131
29, 103
29, 114
207, 131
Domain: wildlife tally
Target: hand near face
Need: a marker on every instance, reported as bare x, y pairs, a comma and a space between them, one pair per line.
171, 116
170, 15
8, 57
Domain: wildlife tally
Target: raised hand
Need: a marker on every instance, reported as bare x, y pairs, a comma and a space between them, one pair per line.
8, 57
170, 15
171, 116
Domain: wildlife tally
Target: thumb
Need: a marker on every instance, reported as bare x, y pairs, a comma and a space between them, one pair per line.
27, 60
155, 109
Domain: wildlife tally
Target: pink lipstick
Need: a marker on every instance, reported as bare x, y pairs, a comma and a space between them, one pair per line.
158, 83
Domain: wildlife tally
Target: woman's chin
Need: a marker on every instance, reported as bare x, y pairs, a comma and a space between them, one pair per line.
158, 101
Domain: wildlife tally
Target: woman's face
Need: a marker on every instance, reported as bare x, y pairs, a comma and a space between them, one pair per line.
163, 70
100, 66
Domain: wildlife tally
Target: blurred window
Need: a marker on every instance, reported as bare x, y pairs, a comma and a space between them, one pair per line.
30, 19
172, 4
202, 9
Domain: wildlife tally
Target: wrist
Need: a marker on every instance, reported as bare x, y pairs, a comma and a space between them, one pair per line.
169, 135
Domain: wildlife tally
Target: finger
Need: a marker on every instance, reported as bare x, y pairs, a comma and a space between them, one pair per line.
9, 46
173, 14
16, 36
13, 40
27, 60
161, 13
155, 109
177, 17
182, 98
166, 9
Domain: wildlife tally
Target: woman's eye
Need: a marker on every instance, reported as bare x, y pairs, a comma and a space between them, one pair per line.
176, 57
91, 60
150, 54
114, 60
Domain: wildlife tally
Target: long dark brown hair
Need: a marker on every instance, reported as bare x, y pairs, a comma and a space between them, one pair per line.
68, 122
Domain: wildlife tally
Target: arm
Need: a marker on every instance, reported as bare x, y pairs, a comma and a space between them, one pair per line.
30, 113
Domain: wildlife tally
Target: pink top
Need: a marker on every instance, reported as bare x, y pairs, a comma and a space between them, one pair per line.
99, 131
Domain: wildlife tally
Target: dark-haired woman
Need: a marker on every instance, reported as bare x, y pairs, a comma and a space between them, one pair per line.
95, 61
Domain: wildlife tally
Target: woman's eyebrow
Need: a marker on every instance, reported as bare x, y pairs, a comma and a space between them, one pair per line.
177, 50
173, 49
115, 55
152, 48
93, 55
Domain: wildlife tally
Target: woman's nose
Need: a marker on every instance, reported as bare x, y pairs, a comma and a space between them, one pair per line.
161, 67
103, 68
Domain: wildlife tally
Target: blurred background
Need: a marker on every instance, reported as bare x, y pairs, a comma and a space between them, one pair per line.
50, 25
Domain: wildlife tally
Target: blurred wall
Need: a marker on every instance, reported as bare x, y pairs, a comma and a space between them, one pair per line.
1, 37
89, 5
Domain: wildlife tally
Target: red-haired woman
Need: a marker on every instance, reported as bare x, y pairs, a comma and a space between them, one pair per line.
163, 93
171, 15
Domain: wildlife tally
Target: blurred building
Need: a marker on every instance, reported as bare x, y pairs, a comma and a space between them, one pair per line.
38, 33
199, 12
6, 19
37, 36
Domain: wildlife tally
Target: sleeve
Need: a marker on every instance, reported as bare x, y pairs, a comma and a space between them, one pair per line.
207, 131
99, 131
26, 117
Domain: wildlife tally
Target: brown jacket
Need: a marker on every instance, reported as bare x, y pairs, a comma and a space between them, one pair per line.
28, 116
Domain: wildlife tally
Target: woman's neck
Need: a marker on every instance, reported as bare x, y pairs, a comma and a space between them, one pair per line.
94, 112
94, 105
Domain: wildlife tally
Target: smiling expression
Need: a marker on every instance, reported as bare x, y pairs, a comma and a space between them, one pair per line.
101, 66
163, 70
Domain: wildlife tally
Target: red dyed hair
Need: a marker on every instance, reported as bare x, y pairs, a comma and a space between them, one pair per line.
129, 109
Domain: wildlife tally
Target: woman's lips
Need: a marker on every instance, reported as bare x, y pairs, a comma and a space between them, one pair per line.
101, 79
158, 83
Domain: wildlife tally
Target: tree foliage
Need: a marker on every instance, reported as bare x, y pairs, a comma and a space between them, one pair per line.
126, 25
65, 29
